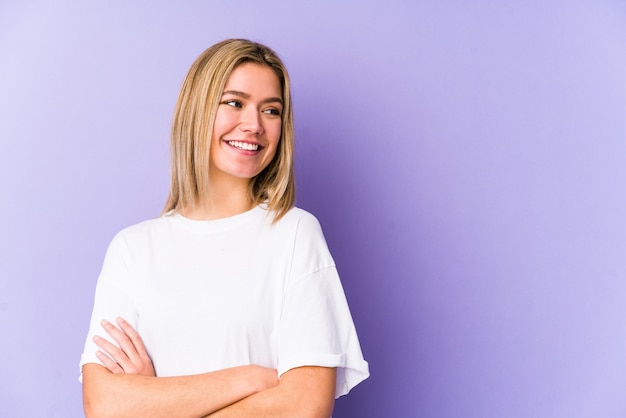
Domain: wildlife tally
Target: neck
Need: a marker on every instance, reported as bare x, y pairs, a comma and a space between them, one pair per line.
222, 200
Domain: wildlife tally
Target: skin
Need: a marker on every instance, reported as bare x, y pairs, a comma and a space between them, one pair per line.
125, 384
250, 113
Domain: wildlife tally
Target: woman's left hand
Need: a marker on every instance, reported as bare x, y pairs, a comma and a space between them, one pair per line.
131, 357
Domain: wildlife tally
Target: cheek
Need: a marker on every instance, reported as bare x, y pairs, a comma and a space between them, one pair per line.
273, 133
223, 123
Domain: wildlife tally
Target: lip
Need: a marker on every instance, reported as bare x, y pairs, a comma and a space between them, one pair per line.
244, 141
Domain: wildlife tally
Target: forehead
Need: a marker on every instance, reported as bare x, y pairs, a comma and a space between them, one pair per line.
254, 79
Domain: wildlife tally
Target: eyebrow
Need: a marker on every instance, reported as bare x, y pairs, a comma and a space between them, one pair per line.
247, 96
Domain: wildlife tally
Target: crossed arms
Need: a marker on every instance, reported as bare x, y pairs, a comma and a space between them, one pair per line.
126, 386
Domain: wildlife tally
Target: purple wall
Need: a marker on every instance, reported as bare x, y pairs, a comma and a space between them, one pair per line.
467, 160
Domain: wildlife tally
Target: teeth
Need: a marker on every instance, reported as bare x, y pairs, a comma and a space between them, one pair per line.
243, 145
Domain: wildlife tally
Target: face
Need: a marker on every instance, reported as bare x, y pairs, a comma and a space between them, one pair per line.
248, 123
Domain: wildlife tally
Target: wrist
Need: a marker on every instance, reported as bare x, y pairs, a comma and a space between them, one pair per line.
262, 378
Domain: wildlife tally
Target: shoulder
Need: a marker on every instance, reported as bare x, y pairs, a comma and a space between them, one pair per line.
300, 219
309, 244
144, 227
139, 232
300, 224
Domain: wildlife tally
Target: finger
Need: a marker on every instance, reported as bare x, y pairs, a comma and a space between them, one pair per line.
125, 350
139, 357
109, 363
133, 336
119, 336
112, 350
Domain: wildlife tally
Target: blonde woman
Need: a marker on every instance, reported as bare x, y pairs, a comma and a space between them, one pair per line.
228, 304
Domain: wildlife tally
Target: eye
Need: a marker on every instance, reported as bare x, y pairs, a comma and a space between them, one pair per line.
232, 103
272, 111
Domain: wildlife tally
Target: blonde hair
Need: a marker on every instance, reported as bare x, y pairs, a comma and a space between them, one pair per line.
193, 122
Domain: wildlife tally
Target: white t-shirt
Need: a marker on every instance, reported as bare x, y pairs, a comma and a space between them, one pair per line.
209, 295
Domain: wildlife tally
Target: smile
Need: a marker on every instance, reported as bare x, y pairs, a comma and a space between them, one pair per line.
243, 145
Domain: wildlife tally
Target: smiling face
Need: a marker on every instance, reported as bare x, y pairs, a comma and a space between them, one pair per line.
247, 125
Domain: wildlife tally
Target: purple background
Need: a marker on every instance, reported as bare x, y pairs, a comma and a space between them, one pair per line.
466, 159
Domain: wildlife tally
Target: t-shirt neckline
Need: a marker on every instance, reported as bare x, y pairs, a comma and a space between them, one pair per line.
221, 224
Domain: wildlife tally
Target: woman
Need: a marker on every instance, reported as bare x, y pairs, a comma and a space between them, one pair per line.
229, 304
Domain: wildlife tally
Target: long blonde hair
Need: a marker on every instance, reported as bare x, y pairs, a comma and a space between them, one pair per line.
193, 122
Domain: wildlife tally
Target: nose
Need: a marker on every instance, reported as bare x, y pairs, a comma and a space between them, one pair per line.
251, 121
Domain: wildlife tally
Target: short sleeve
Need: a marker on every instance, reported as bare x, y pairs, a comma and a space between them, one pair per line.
316, 327
112, 298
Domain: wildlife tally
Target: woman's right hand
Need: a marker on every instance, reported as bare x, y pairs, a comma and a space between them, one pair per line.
131, 357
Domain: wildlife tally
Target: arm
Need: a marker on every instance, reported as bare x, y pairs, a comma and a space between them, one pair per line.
107, 394
303, 392
127, 386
